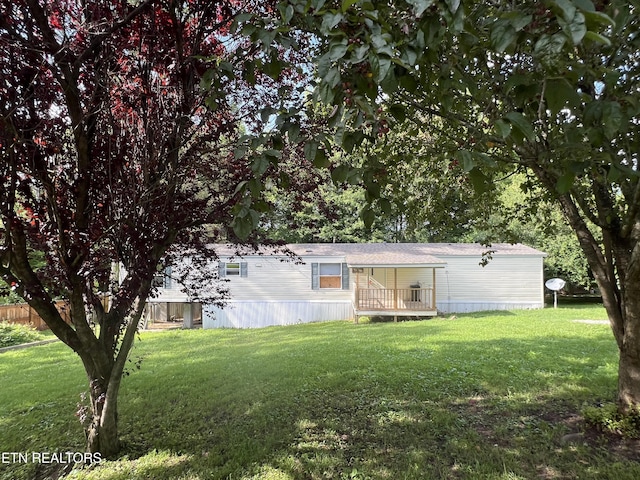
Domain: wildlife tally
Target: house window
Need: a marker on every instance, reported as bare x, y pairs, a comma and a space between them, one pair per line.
162, 279
330, 275
232, 269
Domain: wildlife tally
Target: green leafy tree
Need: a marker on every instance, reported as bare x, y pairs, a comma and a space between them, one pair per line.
526, 215
410, 194
329, 214
422, 197
565, 258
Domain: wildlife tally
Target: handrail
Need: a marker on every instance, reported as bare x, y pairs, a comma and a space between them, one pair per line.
369, 282
395, 299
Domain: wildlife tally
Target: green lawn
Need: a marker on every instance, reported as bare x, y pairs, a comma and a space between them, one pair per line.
481, 396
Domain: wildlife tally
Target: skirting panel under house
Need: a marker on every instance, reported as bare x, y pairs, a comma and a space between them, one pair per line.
257, 314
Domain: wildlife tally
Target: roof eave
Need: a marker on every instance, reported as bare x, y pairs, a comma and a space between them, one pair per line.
396, 265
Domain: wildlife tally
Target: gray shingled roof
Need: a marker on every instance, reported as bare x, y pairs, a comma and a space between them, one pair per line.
362, 254
423, 254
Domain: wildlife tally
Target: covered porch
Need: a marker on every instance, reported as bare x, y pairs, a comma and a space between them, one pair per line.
172, 315
394, 286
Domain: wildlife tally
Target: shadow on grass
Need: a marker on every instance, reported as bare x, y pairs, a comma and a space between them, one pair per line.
440, 316
455, 409
380, 401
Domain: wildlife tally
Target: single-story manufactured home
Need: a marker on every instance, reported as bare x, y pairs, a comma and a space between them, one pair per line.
348, 281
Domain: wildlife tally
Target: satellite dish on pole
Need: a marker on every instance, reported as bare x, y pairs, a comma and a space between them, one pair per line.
555, 284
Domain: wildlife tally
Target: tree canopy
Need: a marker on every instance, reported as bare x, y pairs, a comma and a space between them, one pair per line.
413, 195
122, 136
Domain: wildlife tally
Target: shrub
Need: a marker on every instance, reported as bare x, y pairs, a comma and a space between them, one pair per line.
607, 418
11, 334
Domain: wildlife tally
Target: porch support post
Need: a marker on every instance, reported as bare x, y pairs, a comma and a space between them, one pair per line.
356, 302
395, 289
187, 315
433, 290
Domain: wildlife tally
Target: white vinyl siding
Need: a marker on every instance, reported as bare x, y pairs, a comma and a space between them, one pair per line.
170, 290
281, 292
279, 278
506, 282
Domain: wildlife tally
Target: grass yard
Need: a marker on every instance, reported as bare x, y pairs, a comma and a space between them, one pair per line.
481, 396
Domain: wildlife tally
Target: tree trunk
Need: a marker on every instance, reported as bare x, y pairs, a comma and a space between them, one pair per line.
629, 344
102, 430
617, 272
624, 317
629, 380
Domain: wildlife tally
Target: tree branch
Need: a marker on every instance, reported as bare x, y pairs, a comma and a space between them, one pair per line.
97, 39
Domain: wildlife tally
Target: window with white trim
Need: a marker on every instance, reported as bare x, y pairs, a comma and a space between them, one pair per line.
334, 276
330, 275
232, 269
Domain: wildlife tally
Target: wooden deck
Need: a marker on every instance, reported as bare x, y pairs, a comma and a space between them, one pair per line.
395, 302
394, 299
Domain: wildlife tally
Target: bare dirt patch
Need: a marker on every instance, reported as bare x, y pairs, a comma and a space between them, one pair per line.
579, 431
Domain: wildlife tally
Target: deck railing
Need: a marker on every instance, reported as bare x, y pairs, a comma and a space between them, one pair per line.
412, 299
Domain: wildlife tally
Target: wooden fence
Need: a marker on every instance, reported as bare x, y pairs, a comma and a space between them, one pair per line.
23, 314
